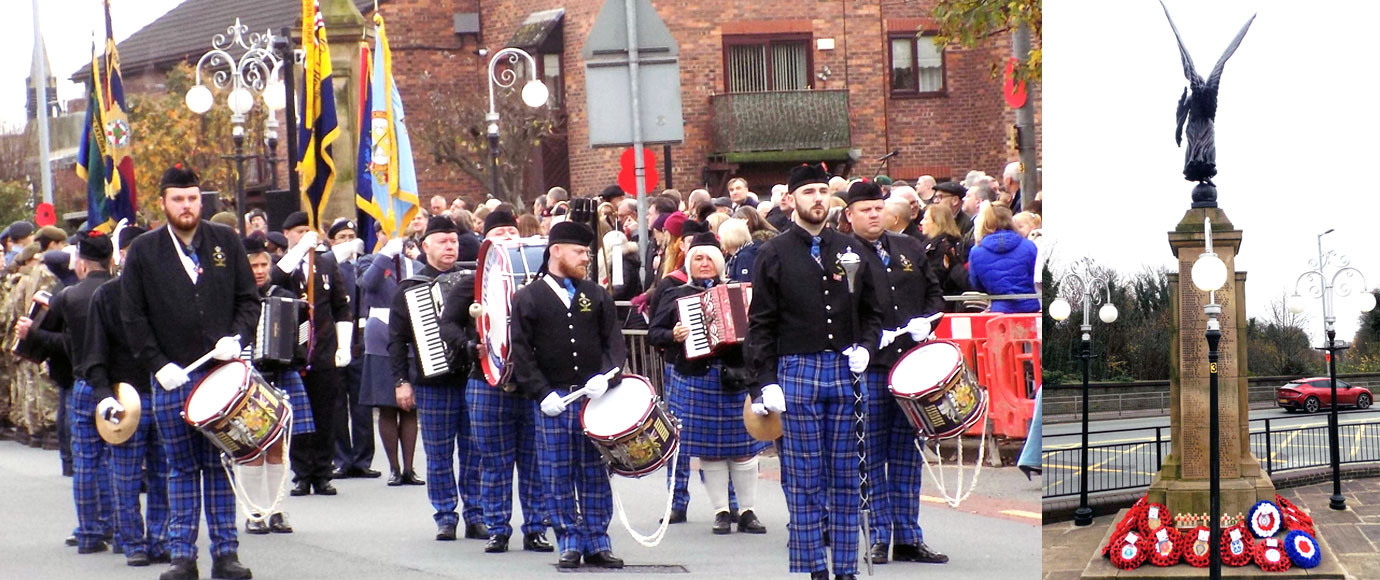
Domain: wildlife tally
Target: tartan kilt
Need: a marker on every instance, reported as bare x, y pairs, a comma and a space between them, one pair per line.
290, 382
711, 418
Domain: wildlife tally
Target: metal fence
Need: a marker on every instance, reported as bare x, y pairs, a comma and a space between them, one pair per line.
1132, 463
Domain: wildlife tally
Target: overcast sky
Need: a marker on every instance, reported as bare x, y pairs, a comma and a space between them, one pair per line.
67, 28
1295, 134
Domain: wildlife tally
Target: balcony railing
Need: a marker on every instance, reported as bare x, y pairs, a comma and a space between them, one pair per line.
780, 121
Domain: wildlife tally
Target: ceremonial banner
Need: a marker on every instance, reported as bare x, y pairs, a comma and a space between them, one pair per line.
103, 156
318, 127
385, 155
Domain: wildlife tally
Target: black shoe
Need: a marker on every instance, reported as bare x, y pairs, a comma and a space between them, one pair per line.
182, 569
160, 558
1029, 471
395, 480
302, 488
498, 543
67, 470
410, 478
278, 524
71, 540
365, 473
569, 559
914, 553
536, 543
879, 553
256, 527
604, 559
677, 516
749, 524
819, 575
325, 488
845, 577
99, 546
137, 560
722, 526
445, 533
476, 532
228, 567
340, 473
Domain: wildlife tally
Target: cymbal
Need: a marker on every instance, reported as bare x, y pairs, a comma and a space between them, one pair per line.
761, 427
114, 433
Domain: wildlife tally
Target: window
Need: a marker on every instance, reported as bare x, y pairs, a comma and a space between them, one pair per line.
917, 65
767, 64
550, 67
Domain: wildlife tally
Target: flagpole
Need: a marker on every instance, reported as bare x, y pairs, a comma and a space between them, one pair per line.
290, 85
41, 105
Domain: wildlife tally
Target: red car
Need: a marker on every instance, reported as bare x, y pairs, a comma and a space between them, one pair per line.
1315, 393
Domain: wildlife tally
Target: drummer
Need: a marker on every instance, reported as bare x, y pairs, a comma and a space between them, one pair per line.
564, 310
908, 291
808, 339
711, 390
106, 361
262, 478
503, 423
188, 290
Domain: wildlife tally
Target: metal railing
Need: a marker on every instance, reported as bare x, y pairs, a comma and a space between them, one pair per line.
1131, 463
780, 121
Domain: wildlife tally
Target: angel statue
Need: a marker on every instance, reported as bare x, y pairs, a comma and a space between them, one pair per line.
1198, 106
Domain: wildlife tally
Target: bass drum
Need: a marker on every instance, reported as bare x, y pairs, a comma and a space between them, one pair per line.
503, 267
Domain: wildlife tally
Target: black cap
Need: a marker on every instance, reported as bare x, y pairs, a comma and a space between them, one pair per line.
499, 218
864, 190
340, 226
806, 175
611, 192
179, 175
705, 239
128, 234
439, 225
723, 202
570, 233
693, 227
277, 239
254, 245
952, 188
95, 247
295, 219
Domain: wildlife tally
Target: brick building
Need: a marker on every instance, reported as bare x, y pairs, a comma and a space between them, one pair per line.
765, 84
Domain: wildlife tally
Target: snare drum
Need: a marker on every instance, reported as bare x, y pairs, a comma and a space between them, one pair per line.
631, 427
932, 385
503, 267
238, 410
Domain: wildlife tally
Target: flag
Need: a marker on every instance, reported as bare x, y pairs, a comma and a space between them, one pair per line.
103, 156
318, 129
365, 209
386, 166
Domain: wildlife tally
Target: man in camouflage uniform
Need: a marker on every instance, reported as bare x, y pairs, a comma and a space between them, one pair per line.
33, 396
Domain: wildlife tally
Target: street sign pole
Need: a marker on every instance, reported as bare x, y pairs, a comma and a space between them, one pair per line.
639, 168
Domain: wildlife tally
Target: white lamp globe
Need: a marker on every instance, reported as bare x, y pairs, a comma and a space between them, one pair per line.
1060, 309
240, 101
1366, 302
534, 93
199, 99
1209, 272
1295, 304
275, 97
1107, 313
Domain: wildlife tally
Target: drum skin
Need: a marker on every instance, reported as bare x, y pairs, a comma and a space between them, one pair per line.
248, 415
503, 267
631, 427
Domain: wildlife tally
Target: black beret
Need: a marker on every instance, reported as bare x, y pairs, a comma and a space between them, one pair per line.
128, 234
611, 192
179, 175
439, 225
723, 202
693, 227
499, 218
570, 233
341, 225
952, 188
254, 245
277, 239
806, 175
18, 230
95, 247
705, 239
295, 219
863, 191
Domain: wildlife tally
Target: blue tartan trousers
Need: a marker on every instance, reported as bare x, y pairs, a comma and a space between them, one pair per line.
90, 470
142, 533
445, 423
505, 436
196, 478
579, 499
893, 467
820, 460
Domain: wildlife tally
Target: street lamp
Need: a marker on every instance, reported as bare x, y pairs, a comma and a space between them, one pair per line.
255, 72
1084, 283
1327, 288
534, 95
1209, 274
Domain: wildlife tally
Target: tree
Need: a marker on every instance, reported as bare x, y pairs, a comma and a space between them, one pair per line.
455, 133
16, 195
1278, 345
1364, 355
1135, 347
969, 22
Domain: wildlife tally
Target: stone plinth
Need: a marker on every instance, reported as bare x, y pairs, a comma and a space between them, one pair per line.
1183, 481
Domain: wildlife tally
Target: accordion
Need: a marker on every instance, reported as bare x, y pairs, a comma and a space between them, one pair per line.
38, 310
280, 340
716, 317
425, 302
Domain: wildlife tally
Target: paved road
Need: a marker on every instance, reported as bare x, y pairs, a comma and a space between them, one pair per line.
374, 531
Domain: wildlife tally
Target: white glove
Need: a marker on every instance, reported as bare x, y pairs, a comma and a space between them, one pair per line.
919, 328
858, 357
227, 348
888, 337
596, 386
171, 376
773, 399
344, 252
115, 238
392, 248
299, 251
344, 340
759, 409
552, 405
110, 410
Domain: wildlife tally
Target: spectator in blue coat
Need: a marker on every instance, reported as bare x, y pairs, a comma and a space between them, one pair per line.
1003, 262
741, 249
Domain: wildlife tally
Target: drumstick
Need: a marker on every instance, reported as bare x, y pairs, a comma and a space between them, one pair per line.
582, 391
201, 361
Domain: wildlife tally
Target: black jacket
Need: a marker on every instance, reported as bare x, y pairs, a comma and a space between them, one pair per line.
106, 358
402, 358
62, 336
905, 289
458, 327
169, 319
778, 219
332, 304
659, 334
555, 347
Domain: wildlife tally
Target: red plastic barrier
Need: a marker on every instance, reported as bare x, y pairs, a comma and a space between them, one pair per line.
1003, 350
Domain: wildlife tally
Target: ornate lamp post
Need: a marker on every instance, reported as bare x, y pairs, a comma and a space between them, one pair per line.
254, 73
534, 95
1328, 288
1082, 285
1209, 274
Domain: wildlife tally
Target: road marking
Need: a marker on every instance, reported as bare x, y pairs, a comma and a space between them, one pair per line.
1356, 443
1022, 514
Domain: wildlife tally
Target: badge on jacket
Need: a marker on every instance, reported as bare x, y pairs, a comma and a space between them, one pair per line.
219, 256
585, 303
906, 264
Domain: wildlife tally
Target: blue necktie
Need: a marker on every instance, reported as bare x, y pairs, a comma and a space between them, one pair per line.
196, 260
814, 250
886, 257
569, 288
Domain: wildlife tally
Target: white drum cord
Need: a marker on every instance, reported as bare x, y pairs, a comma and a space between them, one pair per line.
654, 539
